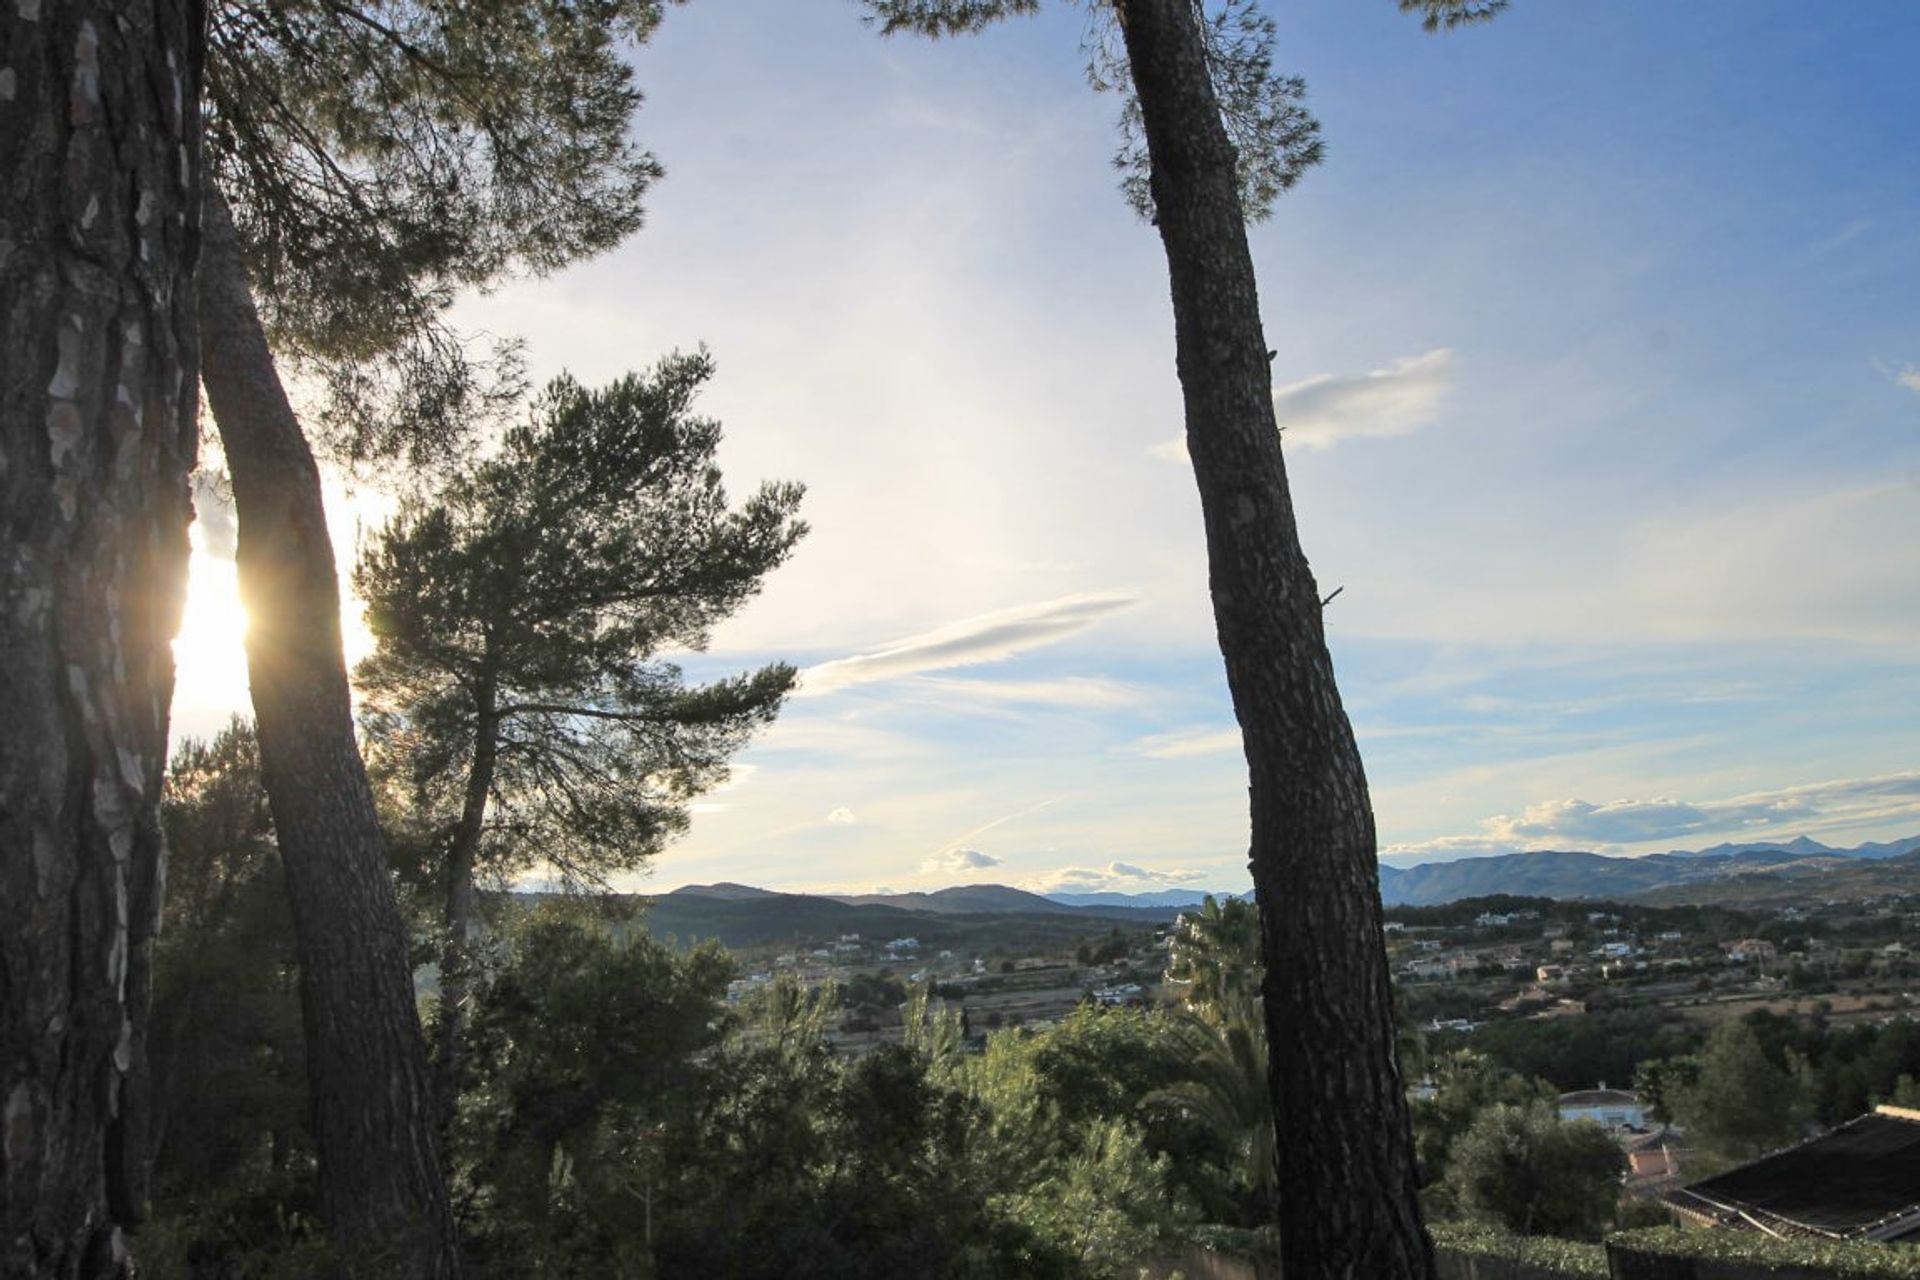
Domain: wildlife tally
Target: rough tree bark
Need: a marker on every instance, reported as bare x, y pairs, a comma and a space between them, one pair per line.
382, 1190
456, 957
1348, 1206
99, 148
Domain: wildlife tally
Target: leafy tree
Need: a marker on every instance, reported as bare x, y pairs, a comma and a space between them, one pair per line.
1211, 134
233, 1153
1740, 1105
229, 1090
519, 615
580, 1043
99, 215
1525, 1169
1465, 1084
1660, 1082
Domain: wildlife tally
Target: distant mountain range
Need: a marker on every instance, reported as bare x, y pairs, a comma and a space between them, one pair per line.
986, 914
1727, 872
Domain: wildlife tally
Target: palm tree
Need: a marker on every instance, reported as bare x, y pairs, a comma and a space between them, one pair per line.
1216, 954
1226, 1090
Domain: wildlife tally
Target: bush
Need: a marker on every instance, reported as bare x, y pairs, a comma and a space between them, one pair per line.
1565, 1257
1840, 1259
1862, 1260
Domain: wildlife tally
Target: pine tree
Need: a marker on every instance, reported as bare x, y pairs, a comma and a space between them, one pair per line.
520, 615
368, 160
99, 215
1211, 136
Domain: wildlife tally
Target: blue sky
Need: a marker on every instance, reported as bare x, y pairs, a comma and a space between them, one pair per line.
1597, 355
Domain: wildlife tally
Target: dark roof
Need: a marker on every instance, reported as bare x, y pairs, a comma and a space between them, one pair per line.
1861, 1180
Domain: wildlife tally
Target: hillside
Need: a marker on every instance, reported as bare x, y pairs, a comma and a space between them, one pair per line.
976, 918
1772, 872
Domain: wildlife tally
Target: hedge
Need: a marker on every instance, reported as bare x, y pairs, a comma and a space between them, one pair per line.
1565, 1257
1865, 1260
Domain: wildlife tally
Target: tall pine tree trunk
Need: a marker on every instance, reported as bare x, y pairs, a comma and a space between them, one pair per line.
382, 1189
1348, 1206
456, 957
99, 209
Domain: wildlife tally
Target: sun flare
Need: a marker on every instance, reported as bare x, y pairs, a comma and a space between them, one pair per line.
209, 654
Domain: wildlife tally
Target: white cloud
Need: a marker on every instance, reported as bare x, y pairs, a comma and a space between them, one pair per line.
1321, 411
1811, 808
1086, 692
1115, 877
987, 637
958, 861
1186, 742
842, 815
1909, 378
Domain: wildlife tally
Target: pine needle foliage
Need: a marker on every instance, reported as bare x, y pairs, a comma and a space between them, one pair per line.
382, 155
522, 612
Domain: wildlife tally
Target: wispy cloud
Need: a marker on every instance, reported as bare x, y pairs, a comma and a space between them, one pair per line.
1115, 877
987, 637
1403, 397
1814, 807
1909, 378
842, 816
1085, 692
1186, 742
958, 862
1321, 411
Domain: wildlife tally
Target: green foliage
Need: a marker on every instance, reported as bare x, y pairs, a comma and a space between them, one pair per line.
1066, 1121
381, 155
233, 1158
578, 1043
521, 610
1105, 1205
796, 1163
1226, 1091
1581, 1050
1215, 956
1572, 1258
1275, 138
1741, 1104
1840, 1260
1465, 1084
1524, 1169
1445, 15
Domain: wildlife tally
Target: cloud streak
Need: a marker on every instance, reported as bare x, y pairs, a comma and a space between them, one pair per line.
1115, 877
1403, 397
984, 638
1909, 378
1092, 693
1618, 824
1183, 743
1321, 411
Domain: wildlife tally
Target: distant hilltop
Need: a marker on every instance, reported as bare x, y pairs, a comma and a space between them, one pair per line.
1752, 873
1728, 873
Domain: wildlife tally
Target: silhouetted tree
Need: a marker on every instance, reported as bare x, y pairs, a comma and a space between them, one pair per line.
519, 616
368, 160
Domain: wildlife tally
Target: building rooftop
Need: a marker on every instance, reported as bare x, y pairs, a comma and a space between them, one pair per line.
1859, 1181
